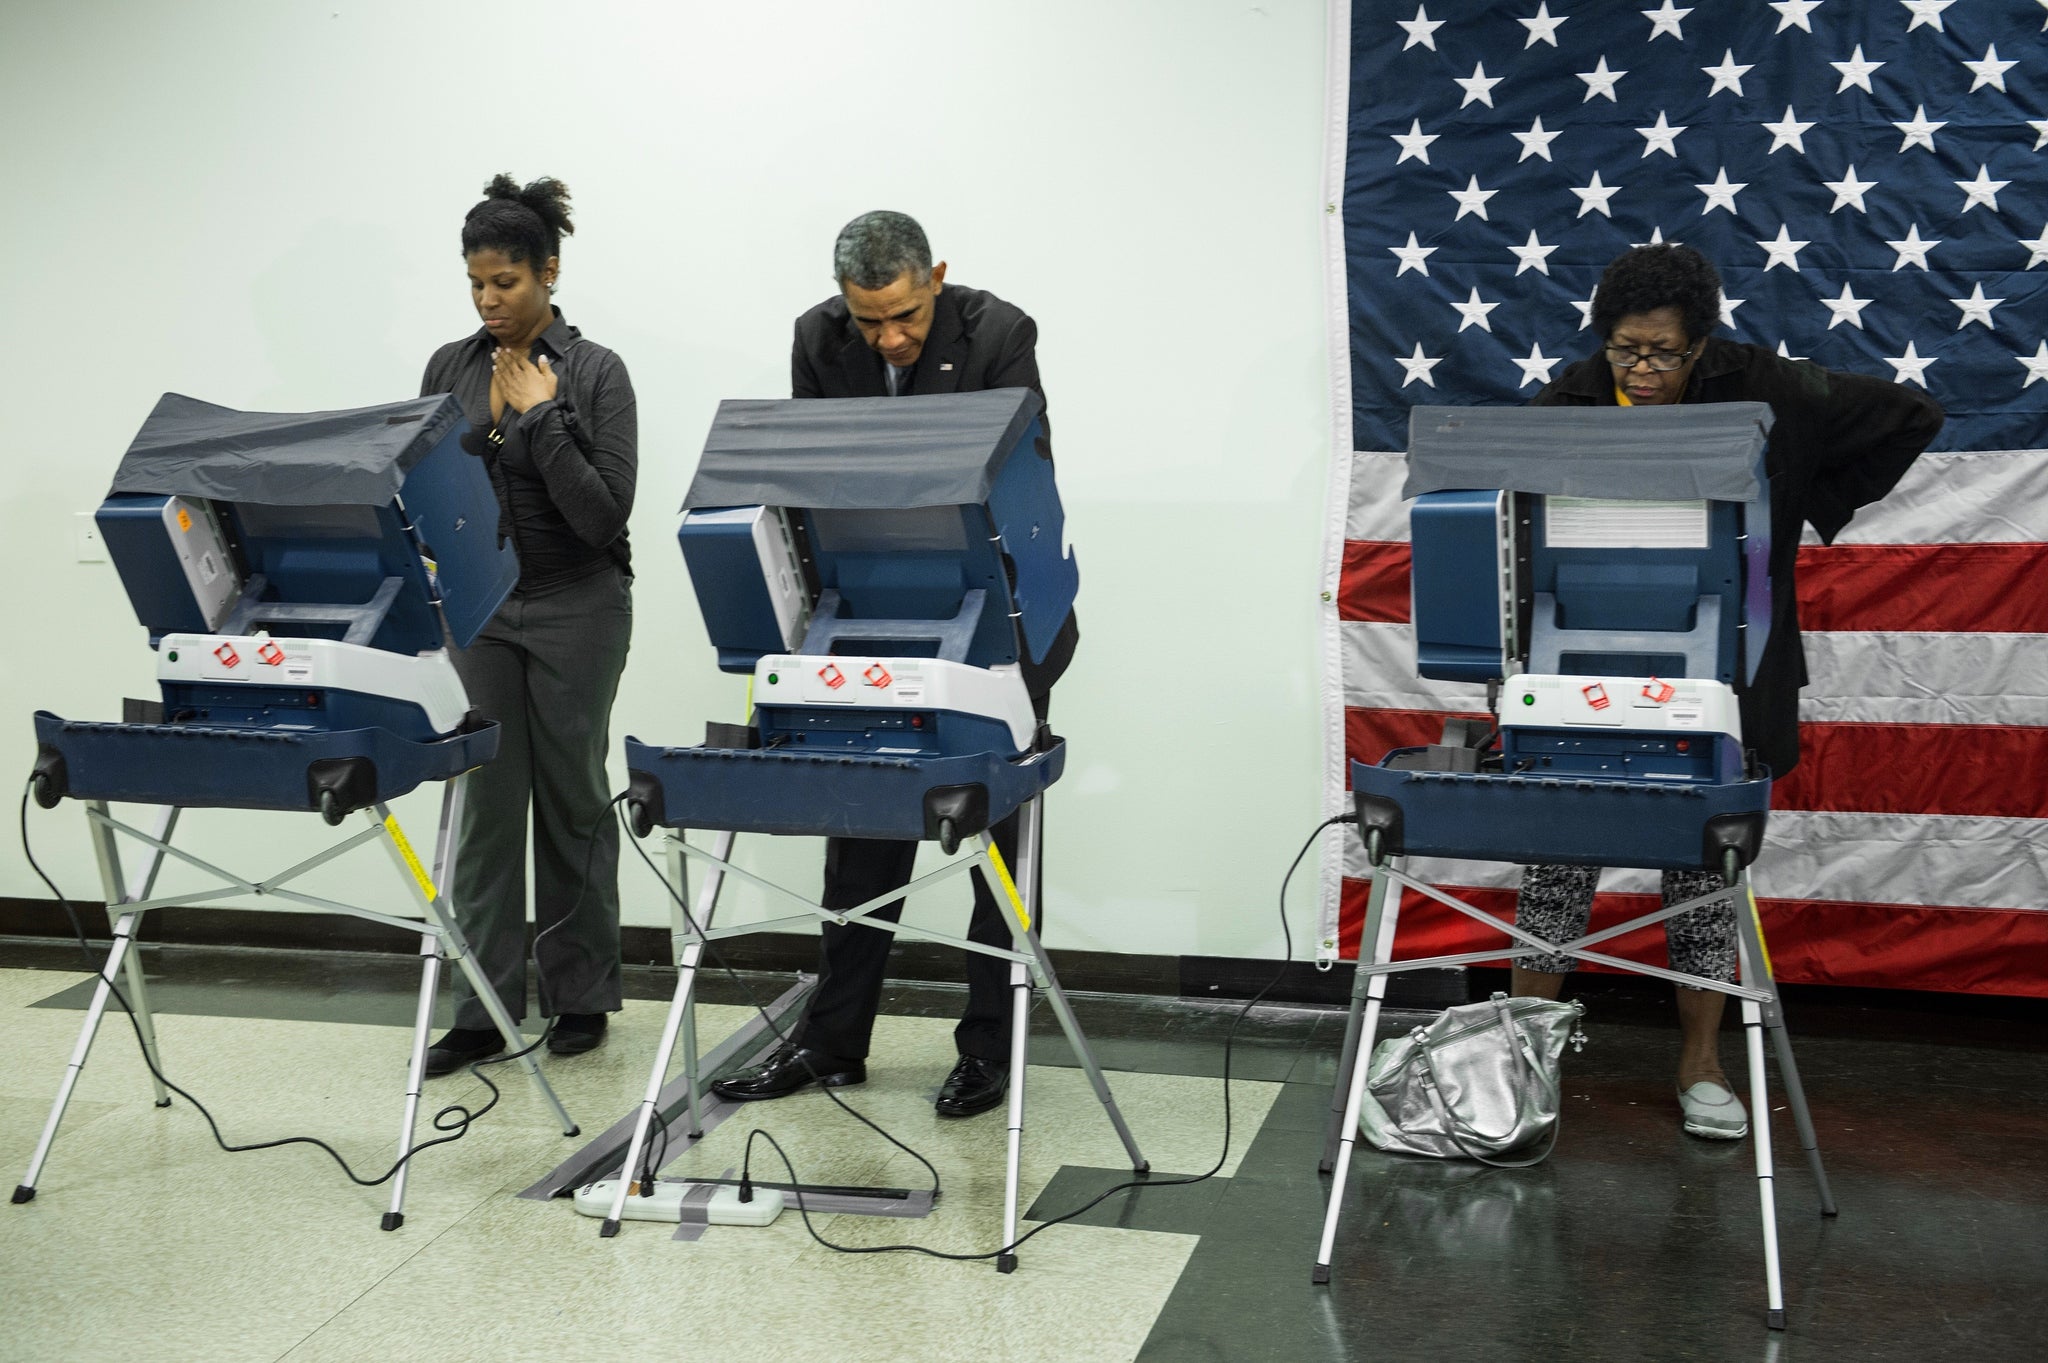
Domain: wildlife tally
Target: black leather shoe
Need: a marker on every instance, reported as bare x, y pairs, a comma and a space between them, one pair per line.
787, 1069
462, 1046
975, 1085
576, 1033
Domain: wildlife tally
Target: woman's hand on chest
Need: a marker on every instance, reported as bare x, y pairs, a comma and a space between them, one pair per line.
517, 382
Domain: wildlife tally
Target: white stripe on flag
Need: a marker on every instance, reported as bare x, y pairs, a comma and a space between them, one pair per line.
1960, 497
1379, 672
1376, 511
1980, 863
1926, 678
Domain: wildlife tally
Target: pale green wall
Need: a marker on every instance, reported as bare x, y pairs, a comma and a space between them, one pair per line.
257, 204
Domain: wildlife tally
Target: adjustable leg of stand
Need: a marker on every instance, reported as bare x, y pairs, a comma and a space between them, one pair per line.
441, 922
1368, 992
415, 1076
1030, 831
114, 881
1756, 969
1760, 1130
124, 941
1374, 947
714, 881
643, 1118
1020, 1023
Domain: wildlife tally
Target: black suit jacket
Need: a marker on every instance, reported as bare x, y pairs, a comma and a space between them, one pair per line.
1838, 442
977, 342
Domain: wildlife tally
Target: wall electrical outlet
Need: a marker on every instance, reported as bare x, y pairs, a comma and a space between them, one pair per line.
85, 534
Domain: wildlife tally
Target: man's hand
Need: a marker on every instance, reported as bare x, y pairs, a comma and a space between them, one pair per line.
522, 383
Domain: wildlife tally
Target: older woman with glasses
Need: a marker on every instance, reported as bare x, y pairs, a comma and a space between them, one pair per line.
1839, 442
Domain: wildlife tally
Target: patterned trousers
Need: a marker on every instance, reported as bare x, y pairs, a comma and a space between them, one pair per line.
1556, 901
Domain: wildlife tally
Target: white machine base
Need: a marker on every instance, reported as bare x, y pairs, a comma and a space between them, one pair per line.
665, 1203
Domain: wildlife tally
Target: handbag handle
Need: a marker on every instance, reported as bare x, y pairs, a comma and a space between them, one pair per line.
1452, 1122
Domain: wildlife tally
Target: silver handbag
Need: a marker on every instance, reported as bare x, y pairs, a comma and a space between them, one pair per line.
1480, 1082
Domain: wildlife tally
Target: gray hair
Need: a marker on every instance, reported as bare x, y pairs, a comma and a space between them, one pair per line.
876, 247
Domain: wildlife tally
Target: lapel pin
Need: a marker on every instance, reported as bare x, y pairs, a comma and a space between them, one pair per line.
948, 365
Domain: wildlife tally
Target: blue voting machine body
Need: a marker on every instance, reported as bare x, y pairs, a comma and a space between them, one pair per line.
894, 567
294, 573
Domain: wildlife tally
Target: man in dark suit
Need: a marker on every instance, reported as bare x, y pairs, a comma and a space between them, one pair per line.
896, 328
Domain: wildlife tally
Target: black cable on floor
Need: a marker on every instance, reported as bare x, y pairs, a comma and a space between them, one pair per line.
1230, 1037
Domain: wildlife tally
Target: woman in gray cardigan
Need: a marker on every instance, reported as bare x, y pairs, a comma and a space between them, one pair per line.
553, 419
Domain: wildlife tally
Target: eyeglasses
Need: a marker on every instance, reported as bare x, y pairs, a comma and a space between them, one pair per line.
1663, 361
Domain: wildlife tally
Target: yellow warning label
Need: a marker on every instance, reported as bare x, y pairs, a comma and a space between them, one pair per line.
184, 519
995, 859
1758, 919
405, 852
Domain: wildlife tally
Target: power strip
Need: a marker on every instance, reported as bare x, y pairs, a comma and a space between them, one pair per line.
664, 1202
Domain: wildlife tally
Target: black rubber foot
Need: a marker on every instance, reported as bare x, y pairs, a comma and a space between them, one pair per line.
1006, 1263
163, 1102
1775, 1319
391, 1221
1829, 1211
573, 1131
1321, 1276
1144, 1169
23, 1193
1324, 1166
608, 1229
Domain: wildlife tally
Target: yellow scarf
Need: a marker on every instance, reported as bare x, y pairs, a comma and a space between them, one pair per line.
1621, 398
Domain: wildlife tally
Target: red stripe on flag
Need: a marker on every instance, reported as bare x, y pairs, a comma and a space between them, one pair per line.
1370, 734
1374, 584
1941, 588
1983, 771
1811, 941
1990, 771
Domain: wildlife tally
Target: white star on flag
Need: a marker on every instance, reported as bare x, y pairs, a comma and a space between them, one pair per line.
1982, 190
1728, 75
2038, 245
1728, 307
1542, 28
1848, 308
1585, 307
1535, 142
1600, 81
1536, 369
1926, 12
1783, 251
1913, 248
1532, 256
1789, 132
1910, 367
1721, 193
1849, 190
1478, 86
1421, 29
1661, 137
1976, 308
1666, 20
1855, 71
1415, 142
1792, 14
2040, 127
1412, 257
1920, 132
1785, 352
1417, 366
1472, 199
1472, 313
1593, 198
2036, 363
1990, 71
1656, 239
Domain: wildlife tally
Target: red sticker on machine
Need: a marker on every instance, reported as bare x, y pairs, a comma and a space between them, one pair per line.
1596, 696
227, 655
832, 676
877, 676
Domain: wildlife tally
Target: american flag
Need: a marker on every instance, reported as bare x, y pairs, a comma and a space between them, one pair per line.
1871, 179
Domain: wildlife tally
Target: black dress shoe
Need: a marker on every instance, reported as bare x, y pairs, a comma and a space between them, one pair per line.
576, 1033
975, 1085
787, 1069
462, 1046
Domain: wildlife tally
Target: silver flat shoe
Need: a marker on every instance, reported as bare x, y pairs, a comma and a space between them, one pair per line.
1712, 1112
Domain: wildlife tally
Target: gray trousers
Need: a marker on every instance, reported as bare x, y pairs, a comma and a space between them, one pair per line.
546, 669
1556, 902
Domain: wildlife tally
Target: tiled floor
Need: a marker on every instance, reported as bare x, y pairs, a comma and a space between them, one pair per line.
145, 1241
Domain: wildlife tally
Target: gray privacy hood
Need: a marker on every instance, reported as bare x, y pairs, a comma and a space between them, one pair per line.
191, 448
1710, 451
855, 454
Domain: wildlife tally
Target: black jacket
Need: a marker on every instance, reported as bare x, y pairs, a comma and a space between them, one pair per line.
977, 342
1839, 442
